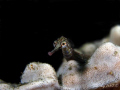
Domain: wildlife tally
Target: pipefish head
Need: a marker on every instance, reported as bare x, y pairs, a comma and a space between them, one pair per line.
58, 44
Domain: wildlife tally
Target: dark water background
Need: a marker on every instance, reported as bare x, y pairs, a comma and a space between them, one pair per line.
28, 29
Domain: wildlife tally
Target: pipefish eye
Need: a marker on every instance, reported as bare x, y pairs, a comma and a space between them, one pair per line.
63, 43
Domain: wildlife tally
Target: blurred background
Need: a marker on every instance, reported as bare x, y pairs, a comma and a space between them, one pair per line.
28, 29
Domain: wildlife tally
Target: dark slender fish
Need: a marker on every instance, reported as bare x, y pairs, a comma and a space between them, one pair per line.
68, 52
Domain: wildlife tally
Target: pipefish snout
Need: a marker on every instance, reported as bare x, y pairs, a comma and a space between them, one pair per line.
68, 52
61, 43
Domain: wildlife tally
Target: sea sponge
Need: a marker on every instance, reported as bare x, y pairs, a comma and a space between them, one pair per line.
39, 76
35, 71
88, 49
103, 68
6, 86
69, 75
114, 36
36, 76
